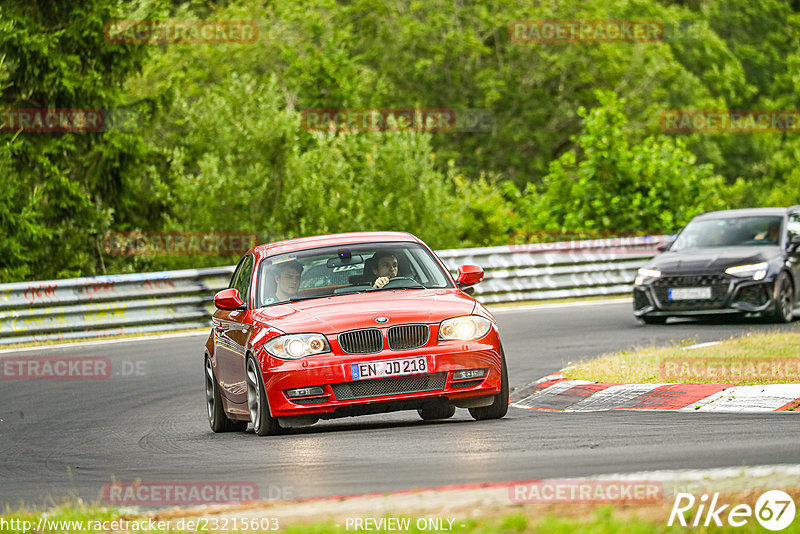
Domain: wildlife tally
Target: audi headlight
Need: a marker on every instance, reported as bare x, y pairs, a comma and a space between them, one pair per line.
466, 328
757, 270
294, 346
643, 275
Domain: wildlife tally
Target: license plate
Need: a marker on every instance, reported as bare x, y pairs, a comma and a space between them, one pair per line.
384, 368
690, 293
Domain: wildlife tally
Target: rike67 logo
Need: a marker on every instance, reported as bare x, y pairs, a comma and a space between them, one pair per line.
774, 510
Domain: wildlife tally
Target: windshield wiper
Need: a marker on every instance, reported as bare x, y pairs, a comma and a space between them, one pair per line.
420, 286
296, 299
353, 292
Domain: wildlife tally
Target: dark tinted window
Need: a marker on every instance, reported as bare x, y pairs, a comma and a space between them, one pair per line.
730, 231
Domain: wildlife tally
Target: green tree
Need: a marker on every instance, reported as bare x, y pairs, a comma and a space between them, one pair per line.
62, 190
612, 185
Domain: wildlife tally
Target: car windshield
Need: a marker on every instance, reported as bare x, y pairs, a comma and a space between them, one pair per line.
729, 232
342, 269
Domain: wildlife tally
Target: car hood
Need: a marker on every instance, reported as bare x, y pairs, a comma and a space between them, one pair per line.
712, 258
331, 315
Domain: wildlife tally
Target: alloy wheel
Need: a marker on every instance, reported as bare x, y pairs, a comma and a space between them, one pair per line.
209, 390
785, 298
253, 393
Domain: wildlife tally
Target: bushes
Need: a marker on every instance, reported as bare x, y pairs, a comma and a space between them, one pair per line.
608, 184
222, 148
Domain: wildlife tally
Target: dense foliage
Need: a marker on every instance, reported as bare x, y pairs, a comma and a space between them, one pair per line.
576, 143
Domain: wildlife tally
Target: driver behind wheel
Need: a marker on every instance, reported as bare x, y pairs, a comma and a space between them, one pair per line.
384, 267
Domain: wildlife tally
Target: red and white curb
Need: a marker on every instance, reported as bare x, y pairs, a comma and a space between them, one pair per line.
558, 394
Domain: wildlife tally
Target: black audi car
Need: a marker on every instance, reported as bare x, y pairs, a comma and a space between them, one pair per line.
725, 262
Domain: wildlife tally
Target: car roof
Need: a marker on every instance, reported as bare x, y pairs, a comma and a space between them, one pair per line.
350, 238
746, 212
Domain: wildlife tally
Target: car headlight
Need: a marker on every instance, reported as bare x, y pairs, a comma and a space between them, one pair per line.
294, 346
466, 328
643, 275
757, 270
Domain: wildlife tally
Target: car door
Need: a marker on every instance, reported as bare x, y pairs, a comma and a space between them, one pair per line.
230, 336
793, 252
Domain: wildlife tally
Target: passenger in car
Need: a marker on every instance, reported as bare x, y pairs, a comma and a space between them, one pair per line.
287, 281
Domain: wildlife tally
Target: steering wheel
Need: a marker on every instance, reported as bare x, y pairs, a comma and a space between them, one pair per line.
401, 282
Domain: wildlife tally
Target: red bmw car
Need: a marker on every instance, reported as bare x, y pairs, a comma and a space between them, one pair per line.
349, 324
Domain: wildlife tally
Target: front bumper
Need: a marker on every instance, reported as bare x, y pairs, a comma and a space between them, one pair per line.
729, 295
342, 396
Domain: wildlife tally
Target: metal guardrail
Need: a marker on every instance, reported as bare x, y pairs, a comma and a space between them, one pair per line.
171, 300
543, 271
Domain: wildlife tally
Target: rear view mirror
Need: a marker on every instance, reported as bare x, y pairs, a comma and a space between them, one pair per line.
344, 260
229, 299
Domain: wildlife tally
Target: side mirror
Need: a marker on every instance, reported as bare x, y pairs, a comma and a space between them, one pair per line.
668, 241
469, 275
229, 299
794, 243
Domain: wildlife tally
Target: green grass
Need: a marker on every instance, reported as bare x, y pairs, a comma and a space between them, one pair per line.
770, 358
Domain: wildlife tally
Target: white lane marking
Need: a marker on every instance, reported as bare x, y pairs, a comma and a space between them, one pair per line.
548, 392
533, 307
611, 397
706, 474
716, 479
106, 341
765, 398
701, 345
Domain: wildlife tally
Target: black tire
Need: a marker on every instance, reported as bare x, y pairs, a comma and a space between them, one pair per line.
217, 418
263, 422
653, 320
431, 412
499, 407
784, 299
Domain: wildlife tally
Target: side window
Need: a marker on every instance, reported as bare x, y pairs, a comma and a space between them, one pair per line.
242, 276
237, 273
793, 226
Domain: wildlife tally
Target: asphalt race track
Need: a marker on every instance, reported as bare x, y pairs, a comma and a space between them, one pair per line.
148, 422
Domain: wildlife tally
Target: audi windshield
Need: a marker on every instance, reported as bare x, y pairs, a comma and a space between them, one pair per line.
729, 232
